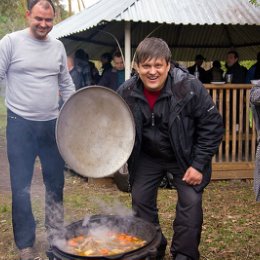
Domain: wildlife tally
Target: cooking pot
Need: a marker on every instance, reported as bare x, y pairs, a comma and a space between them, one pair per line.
130, 225
95, 132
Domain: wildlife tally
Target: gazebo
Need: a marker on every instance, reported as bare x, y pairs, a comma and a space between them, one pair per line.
189, 27
210, 28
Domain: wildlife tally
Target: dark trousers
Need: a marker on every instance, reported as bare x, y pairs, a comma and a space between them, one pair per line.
25, 141
187, 225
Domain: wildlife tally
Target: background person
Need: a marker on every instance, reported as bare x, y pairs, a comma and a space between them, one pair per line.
237, 71
196, 68
115, 76
32, 102
178, 129
255, 105
75, 74
82, 72
105, 59
93, 70
254, 70
215, 74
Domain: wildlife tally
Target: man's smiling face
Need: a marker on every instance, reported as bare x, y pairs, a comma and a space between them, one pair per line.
40, 20
153, 73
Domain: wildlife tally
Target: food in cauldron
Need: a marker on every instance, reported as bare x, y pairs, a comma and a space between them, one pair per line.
110, 243
144, 238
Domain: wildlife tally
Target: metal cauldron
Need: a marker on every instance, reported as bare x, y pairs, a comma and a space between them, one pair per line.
130, 225
95, 132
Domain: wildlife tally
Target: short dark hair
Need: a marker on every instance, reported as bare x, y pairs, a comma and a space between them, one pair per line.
235, 53
117, 54
152, 47
32, 3
81, 54
199, 57
107, 56
216, 64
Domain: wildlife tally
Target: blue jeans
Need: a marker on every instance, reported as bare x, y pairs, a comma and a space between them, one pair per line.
25, 141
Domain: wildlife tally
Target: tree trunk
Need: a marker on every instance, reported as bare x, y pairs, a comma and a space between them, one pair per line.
24, 4
69, 7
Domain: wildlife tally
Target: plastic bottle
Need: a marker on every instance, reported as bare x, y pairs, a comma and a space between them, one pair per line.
196, 73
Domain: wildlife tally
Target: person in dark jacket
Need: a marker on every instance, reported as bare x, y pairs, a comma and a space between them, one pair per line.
254, 70
255, 106
84, 73
178, 130
105, 59
237, 71
215, 74
114, 77
197, 69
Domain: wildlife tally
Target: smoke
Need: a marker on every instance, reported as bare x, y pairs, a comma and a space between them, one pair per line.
114, 207
112, 216
54, 216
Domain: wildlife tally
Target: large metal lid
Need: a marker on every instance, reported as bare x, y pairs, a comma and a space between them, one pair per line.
95, 132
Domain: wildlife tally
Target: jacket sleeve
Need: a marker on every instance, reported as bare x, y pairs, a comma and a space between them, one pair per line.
105, 79
209, 129
255, 107
255, 95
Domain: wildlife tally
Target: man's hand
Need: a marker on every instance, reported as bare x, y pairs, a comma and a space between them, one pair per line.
192, 176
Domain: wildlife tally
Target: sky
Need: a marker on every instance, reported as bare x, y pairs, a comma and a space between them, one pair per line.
75, 8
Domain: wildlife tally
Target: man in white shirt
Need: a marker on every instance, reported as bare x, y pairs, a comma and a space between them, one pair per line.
35, 68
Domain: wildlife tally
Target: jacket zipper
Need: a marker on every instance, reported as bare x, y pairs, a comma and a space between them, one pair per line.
153, 119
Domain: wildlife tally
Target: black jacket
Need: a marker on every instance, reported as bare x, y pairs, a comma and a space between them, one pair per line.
195, 125
110, 79
239, 73
203, 76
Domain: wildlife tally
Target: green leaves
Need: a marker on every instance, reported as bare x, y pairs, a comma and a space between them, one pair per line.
254, 2
12, 16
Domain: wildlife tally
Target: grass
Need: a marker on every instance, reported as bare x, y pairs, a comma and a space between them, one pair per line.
231, 215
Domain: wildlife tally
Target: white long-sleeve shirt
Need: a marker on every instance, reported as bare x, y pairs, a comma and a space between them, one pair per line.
36, 72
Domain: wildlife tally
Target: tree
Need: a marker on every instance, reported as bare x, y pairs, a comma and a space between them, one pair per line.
254, 2
12, 16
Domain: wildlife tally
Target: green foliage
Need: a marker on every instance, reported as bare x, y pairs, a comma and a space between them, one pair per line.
12, 16
5, 209
254, 2
247, 63
8, 6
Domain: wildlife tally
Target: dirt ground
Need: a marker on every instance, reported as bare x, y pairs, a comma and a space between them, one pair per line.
4, 173
231, 215
5, 193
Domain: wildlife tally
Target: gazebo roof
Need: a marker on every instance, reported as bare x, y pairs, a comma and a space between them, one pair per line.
189, 26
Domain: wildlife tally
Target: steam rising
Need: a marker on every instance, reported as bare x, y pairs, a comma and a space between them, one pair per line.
112, 208
100, 225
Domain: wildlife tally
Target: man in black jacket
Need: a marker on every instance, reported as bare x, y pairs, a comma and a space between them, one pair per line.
197, 69
178, 129
237, 71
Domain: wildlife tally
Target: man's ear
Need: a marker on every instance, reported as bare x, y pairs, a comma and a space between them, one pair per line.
136, 68
169, 66
27, 14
